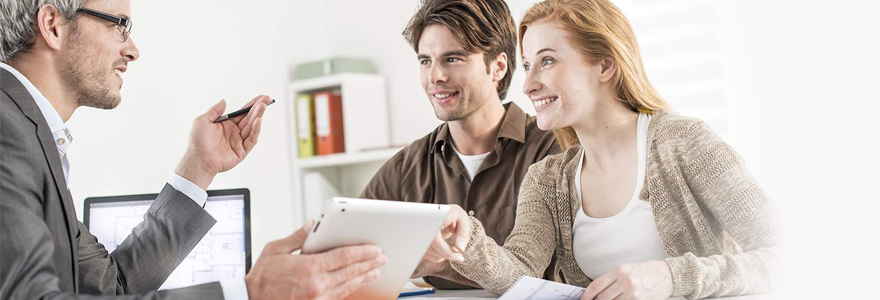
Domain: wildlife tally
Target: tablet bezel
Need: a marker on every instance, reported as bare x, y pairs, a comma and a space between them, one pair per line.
403, 230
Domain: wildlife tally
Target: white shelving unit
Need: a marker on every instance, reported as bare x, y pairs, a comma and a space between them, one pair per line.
335, 160
365, 122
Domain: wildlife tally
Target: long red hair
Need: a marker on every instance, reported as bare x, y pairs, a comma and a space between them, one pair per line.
600, 30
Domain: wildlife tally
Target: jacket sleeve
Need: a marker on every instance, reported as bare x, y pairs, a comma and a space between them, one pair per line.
27, 269
720, 183
171, 228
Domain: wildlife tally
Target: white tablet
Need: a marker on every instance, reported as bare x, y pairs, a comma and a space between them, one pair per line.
403, 230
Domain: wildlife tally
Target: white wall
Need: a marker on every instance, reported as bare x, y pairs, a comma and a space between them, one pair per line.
801, 75
806, 74
374, 31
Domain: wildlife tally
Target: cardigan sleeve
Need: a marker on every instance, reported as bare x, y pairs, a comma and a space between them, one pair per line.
527, 250
724, 189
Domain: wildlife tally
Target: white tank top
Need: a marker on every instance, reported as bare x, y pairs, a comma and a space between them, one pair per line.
600, 244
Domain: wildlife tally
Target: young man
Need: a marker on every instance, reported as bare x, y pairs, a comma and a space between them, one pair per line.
477, 158
59, 55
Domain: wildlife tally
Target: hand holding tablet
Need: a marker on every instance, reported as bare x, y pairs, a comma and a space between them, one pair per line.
333, 274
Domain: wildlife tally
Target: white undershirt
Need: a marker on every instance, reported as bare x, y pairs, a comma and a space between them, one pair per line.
471, 162
601, 244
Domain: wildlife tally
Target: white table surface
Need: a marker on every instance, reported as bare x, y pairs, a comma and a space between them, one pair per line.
482, 294
455, 294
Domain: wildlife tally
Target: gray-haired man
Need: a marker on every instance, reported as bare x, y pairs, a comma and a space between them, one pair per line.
60, 55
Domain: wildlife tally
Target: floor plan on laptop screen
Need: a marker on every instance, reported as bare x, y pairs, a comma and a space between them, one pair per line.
219, 255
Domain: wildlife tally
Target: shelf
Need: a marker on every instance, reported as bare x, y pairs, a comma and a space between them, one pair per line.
367, 136
364, 108
335, 80
335, 160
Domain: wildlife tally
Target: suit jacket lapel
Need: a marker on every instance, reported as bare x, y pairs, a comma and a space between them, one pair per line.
28, 105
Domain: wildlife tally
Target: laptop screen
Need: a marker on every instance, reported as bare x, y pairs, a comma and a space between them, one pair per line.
223, 253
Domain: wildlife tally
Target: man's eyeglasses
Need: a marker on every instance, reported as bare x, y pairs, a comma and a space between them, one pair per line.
121, 24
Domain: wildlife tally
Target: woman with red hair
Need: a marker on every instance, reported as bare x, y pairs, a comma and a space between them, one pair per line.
643, 203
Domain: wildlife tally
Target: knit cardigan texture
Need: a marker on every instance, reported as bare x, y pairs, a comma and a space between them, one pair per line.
716, 224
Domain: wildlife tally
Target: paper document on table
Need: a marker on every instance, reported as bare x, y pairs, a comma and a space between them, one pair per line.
530, 288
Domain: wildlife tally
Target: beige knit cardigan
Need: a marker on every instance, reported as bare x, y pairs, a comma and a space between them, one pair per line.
716, 224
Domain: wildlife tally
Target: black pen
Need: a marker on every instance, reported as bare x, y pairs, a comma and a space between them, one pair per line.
238, 113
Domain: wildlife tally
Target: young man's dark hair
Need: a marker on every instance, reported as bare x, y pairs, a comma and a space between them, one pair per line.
479, 25
478, 157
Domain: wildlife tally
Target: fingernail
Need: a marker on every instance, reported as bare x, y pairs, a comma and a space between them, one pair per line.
459, 258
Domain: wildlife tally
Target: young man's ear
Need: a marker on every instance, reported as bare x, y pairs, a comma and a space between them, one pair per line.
608, 69
50, 23
498, 68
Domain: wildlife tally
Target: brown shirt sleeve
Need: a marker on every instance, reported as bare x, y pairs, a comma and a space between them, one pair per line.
449, 279
385, 185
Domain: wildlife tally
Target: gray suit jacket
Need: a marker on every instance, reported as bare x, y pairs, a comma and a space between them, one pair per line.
46, 253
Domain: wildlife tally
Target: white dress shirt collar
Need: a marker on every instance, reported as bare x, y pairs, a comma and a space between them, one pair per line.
60, 132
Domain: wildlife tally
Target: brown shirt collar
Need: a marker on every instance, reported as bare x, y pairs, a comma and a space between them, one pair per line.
512, 127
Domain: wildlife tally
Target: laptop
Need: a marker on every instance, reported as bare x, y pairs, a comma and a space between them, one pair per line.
223, 253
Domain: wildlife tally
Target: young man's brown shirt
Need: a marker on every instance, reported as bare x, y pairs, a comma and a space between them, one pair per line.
429, 171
